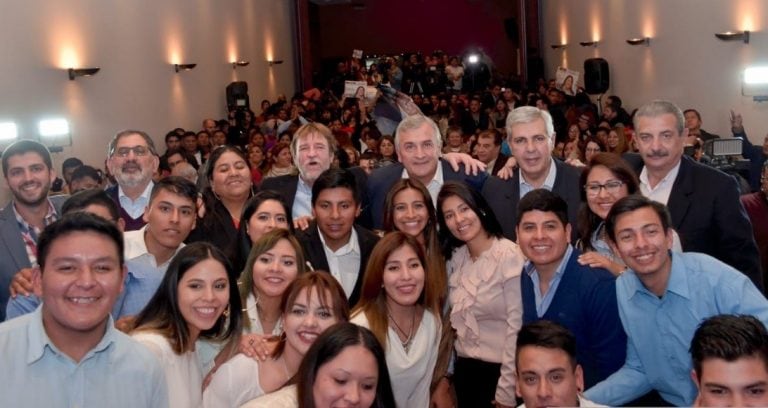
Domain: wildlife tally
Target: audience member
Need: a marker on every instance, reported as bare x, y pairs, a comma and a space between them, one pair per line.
556, 287
756, 205
67, 168
693, 124
704, 202
85, 178
488, 151
65, 354
663, 296
531, 136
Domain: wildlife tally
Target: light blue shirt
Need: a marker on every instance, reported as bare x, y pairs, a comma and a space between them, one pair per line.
660, 330
549, 182
302, 202
543, 302
135, 208
118, 372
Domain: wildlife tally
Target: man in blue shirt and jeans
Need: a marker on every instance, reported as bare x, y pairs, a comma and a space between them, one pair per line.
663, 297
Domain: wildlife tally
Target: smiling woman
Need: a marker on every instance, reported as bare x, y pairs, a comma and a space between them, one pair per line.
194, 301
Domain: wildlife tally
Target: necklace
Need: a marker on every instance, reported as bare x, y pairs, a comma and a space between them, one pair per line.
409, 336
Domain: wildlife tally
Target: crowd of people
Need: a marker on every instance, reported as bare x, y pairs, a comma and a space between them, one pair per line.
441, 246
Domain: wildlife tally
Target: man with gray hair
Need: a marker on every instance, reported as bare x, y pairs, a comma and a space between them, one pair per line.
531, 136
132, 160
418, 146
703, 201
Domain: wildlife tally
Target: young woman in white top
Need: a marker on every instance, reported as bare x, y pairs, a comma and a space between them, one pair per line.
311, 304
484, 292
399, 303
194, 301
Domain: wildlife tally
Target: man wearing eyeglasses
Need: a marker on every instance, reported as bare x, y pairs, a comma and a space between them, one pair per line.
132, 161
531, 136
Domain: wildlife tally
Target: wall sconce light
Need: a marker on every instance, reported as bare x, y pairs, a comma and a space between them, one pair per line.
734, 36
79, 72
55, 134
589, 43
183, 67
559, 46
274, 62
240, 64
8, 131
639, 41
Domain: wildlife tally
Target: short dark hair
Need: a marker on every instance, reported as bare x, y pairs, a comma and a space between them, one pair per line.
492, 133
614, 102
78, 222
210, 164
176, 185
148, 140
543, 200
476, 203
729, 337
172, 133
698, 115
547, 334
330, 344
335, 178
70, 163
82, 199
86, 171
26, 146
631, 203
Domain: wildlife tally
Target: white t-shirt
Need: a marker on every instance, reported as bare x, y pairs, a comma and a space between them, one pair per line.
182, 372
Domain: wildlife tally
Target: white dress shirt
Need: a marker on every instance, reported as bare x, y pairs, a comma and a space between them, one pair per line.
663, 189
344, 263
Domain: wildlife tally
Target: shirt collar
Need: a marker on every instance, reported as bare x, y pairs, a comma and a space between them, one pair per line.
671, 176
136, 246
39, 340
144, 195
303, 186
350, 247
437, 178
49, 218
677, 283
549, 182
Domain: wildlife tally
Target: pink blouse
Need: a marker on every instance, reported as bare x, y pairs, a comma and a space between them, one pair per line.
487, 309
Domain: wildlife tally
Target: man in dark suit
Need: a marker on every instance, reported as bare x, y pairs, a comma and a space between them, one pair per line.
418, 146
28, 171
531, 138
488, 151
333, 243
704, 202
313, 147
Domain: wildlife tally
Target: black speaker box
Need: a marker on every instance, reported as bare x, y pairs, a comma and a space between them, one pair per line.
597, 79
510, 27
237, 95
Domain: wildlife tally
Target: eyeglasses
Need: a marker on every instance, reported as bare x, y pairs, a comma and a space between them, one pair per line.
137, 150
612, 187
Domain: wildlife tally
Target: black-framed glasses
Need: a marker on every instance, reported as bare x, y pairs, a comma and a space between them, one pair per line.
612, 187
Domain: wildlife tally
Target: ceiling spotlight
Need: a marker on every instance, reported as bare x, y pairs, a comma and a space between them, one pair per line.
80, 72
240, 64
559, 46
589, 43
473, 58
183, 67
639, 41
734, 36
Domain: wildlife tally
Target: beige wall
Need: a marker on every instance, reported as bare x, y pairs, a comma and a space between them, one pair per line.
135, 42
685, 63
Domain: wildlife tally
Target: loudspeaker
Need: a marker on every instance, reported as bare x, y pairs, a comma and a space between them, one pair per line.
597, 79
237, 95
510, 27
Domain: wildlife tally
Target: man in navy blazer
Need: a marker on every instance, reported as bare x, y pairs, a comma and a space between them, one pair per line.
28, 171
531, 136
418, 145
703, 201
555, 287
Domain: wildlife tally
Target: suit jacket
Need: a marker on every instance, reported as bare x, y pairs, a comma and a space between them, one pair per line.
501, 160
504, 195
708, 216
383, 178
314, 252
13, 252
287, 185
585, 303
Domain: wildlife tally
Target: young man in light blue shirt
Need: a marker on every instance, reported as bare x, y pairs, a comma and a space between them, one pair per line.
663, 297
67, 353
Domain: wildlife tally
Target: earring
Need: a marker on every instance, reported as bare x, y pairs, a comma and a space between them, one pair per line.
225, 313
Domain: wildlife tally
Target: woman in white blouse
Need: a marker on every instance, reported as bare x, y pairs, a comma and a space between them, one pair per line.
399, 303
484, 293
193, 301
311, 304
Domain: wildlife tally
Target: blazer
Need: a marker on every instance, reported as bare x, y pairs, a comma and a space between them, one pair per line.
383, 178
13, 252
584, 303
501, 160
709, 217
314, 253
504, 195
287, 185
